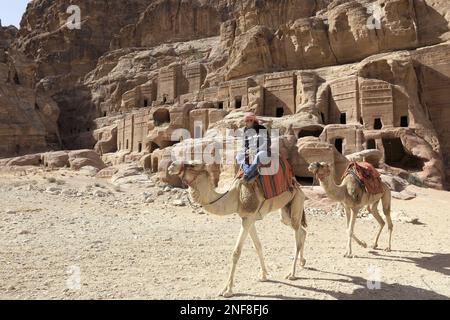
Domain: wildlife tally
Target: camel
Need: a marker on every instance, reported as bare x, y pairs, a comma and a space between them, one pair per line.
354, 197
248, 202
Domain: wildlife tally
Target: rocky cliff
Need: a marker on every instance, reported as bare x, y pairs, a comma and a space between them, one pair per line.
356, 74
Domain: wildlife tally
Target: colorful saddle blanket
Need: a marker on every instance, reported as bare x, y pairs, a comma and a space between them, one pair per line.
367, 176
275, 178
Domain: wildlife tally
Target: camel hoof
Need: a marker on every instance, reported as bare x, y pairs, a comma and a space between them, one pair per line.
375, 246
303, 262
388, 250
264, 278
349, 256
291, 277
221, 294
227, 294
286, 222
363, 244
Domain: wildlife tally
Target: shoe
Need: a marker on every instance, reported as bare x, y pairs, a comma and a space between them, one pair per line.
249, 180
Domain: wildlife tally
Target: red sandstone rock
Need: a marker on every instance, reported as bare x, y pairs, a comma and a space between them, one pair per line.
314, 68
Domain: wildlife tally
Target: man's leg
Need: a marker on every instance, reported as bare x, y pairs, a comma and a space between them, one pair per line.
252, 170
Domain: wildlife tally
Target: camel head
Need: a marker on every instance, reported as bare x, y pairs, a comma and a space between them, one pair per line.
188, 171
320, 169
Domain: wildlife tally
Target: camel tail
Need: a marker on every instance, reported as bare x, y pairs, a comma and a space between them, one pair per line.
304, 222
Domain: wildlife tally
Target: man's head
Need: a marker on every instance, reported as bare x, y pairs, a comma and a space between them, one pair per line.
250, 120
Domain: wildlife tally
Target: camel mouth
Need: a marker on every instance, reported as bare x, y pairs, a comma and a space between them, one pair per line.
314, 167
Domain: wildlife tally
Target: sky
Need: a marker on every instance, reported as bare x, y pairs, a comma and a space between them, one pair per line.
11, 11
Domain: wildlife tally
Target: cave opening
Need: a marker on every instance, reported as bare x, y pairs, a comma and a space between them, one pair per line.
310, 133
280, 112
155, 165
161, 117
404, 122
396, 156
140, 147
377, 124
36, 107
343, 118
145, 103
339, 143
238, 102
371, 144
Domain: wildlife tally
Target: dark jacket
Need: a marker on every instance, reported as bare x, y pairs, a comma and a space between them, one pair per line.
260, 130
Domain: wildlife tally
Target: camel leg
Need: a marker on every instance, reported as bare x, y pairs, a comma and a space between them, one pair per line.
259, 251
376, 215
386, 200
285, 216
245, 228
348, 216
351, 227
390, 228
302, 234
297, 211
300, 237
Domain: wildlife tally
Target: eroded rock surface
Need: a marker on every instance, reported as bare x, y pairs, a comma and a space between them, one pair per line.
337, 78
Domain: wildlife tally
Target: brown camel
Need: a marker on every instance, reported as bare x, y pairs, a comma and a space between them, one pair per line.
354, 197
247, 201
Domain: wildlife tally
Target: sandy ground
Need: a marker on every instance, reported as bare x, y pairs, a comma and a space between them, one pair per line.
119, 247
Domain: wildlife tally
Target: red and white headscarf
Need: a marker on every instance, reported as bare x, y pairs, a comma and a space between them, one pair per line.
251, 117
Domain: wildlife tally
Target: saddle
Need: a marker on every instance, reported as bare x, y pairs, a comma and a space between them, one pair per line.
367, 176
274, 178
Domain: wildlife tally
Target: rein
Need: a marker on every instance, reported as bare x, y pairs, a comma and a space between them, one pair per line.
188, 183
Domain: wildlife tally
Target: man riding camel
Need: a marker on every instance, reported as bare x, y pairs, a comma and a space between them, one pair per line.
256, 149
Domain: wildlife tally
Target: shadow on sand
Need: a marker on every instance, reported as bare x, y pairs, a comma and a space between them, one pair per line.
435, 262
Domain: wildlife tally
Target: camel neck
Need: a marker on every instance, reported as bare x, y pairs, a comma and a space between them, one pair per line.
203, 192
334, 192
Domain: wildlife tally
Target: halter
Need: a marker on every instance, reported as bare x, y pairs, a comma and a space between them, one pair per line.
320, 177
182, 174
188, 183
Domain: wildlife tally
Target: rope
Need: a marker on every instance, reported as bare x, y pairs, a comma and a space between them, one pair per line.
193, 206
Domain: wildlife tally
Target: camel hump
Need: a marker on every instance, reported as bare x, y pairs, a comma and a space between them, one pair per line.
365, 174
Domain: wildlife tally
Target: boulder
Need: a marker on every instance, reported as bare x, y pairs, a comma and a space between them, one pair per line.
395, 183
59, 159
372, 156
27, 160
82, 158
